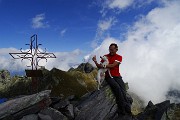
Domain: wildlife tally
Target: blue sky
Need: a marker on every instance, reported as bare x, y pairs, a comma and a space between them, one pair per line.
146, 31
77, 18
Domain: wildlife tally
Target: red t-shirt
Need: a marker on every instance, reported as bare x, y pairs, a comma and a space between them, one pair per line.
115, 70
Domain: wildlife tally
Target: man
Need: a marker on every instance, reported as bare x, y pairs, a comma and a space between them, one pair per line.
116, 83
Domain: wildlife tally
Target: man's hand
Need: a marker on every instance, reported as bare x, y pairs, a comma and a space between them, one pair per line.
94, 58
95, 61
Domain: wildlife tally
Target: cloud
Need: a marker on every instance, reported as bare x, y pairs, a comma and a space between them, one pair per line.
103, 26
64, 60
6, 51
151, 53
39, 21
63, 32
141, 3
120, 4
7, 62
114, 4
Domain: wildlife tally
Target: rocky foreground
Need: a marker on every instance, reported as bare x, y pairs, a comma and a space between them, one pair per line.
95, 105
80, 100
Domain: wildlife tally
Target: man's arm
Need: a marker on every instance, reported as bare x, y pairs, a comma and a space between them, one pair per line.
95, 61
112, 65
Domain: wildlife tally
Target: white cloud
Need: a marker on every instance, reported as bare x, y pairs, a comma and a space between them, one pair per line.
7, 62
115, 4
103, 26
120, 4
141, 3
6, 51
38, 21
64, 60
63, 32
151, 53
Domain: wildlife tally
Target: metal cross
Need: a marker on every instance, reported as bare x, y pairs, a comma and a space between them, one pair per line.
34, 55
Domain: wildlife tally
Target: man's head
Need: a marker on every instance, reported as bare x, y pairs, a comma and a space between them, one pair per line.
113, 48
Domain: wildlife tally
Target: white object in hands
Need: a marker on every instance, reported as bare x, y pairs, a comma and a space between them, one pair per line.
101, 71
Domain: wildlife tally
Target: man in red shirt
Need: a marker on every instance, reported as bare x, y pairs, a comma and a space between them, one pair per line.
116, 83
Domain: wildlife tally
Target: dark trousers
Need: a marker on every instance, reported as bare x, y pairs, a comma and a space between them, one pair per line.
118, 88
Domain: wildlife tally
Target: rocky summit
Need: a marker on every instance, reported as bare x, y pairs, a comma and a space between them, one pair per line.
95, 105
73, 95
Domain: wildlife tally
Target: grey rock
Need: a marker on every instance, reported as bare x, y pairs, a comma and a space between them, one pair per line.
172, 113
74, 102
61, 104
53, 113
150, 105
112, 113
154, 112
17, 105
69, 111
85, 67
44, 117
97, 106
76, 111
55, 100
30, 117
88, 68
71, 97
32, 109
71, 69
